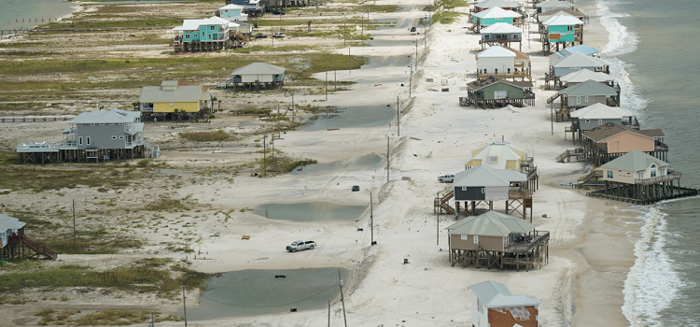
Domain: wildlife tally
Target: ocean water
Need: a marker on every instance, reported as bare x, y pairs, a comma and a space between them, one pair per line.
24, 14
653, 54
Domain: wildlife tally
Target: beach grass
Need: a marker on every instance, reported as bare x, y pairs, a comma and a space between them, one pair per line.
207, 136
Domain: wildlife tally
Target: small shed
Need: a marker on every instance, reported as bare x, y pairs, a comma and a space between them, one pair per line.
497, 240
493, 92
502, 34
494, 306
258, 75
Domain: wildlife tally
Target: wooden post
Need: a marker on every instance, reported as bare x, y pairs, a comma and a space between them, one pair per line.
342, 298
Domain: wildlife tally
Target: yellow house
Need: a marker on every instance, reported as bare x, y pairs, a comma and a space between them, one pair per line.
500, 155
172, 96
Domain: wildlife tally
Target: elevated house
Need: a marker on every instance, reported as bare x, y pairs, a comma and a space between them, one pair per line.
550, 5
503, 63
257, 75
639, 178
209, 34
252, 8
502, 34
482, 5
607, 142
173, 99
495, 240
583, 95
486, 184
233, 13
503, 155
495, 15
573, 63
94, 136
15, 244
558, 56
597, 115
493, 305
492, 92
583, 75
560, 30
542, 16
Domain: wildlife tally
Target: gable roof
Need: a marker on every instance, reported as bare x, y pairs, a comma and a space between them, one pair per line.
555, 4
496, 52
259, 68
107, 116
583, 75
634, 161
559, 11
582, 48
497, 12
491, 223
609, 130
578, 59
490, 80
562, 20
7, 222
183, 93
600, 111
501, 28
589, 87
484, 175
193, 24
496, 295
232, 6
497, 3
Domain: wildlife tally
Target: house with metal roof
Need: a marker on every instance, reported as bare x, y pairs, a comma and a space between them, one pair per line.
252, 8
612, 140
501, 62
15, 244
494, 15
499, 155
94, 136
482, 5
558, 56
233, 13
495, 92
486, 184
598, 114
577, 61
549, 5
561, 30
588, 93
257, 75
502, 34
493, 305
583, 75
497, 240
173, 97
639, 178
204, 34
542, 16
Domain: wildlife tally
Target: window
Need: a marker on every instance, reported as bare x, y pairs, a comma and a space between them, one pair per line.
483, 190
485, 71
88, 140
508, 70
653, 170
578, 100
464, 237
493, 159
464, 188
495, 70
640, 175
588, 120
585, 99
114, 137
610, 174
80, 140
187, 36
570, 28
121, 137
600, 122
476, 239
212, 28
662, 171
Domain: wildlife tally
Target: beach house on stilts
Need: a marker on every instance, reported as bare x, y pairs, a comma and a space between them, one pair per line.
502, 34
494, 306
256, 76
639, 178
560, 30
492, 92
496, 240
209, 34
15, 244
495, 15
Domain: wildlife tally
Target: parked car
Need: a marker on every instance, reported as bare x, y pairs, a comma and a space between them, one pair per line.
301, 246
356, 188
446, 178
413, 29
278, 35
260, 36
278, 12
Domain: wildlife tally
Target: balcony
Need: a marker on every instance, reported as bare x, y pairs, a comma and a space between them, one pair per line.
526, 242
672, 175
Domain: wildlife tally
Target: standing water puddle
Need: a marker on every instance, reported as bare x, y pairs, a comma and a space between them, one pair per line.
255, 292
310, 211
349, 117
369, 161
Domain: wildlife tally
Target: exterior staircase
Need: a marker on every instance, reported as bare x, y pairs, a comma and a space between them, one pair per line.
40, 250
442, 204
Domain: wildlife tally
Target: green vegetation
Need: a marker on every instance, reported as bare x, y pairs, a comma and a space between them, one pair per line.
283, 165
210, 136
168, 22
171, 205
446, 17
37, 179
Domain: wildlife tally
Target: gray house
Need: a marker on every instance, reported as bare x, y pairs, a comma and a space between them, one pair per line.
598, 114
256, 75
97, 135
483, 183
589, 93
577, 61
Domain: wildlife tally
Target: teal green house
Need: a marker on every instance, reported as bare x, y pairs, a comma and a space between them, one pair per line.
562, 29
212, 29
494, 15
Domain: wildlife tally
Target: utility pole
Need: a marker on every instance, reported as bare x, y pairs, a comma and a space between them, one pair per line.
551, 115
153, 323
184, 305
293, 108
410, 82
265, 155
342, 299
349, 57
438, 218
73, 224
335, 79
329, 313
398, 116
371, 219
416, 58
278, 120
326, 86
387, 159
